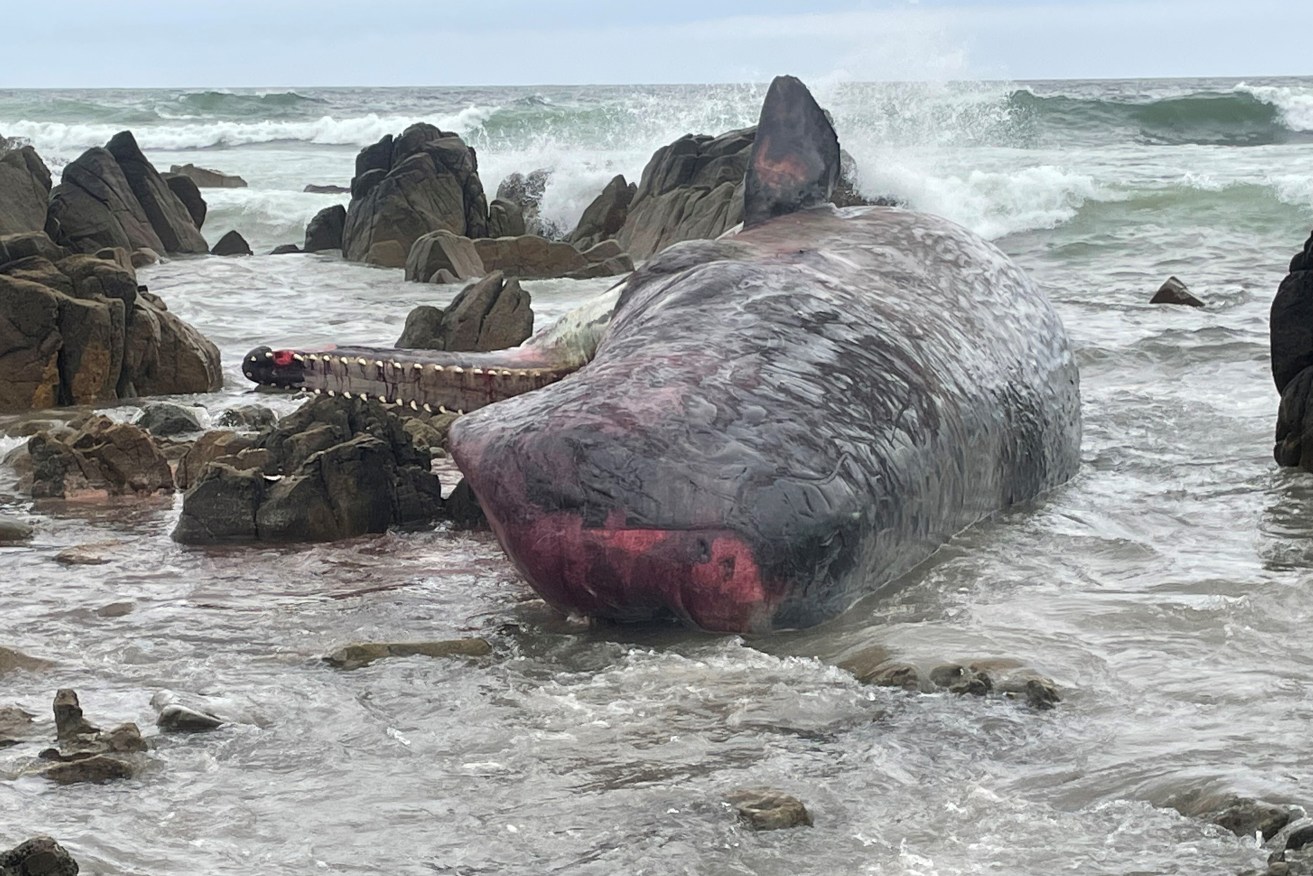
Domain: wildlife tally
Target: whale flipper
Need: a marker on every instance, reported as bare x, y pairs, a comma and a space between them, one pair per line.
794, 162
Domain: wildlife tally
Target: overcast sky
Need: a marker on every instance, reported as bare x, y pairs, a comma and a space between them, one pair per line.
257, 43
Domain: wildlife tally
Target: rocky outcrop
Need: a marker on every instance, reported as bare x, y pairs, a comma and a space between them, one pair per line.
443, 251
114, 197
101, 457
691, 189
492, 314
605, 216
39, 856
1173, 291
168, 216
314, 189
86, 753
232, 244
505, 219
535, 258
24, 190
525, 191
422, 181
364, 653
208, 179
348, 467
768, 809
79, 331
1291, 328
190, 195
325, 230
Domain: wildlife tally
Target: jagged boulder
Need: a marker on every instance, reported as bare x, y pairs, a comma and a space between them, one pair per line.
208, 179
231, 244
505, 219
1173, 291
190, 195
422, 181
102, 456
94, 206
533, 257
525, 191
443, 251
168, 216
164, 355
1291, 327
39, 856
492, 314
325, 230
605, 216
349, 467
24, 190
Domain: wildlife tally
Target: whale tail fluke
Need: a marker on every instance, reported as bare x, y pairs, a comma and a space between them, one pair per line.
794, 162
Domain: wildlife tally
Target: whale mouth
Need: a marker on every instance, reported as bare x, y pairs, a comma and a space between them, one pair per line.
705, 577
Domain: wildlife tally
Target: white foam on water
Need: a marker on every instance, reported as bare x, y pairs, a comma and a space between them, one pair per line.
1294, 102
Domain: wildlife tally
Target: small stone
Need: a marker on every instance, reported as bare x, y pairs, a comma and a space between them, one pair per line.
175, 718
1173, 291
232, 244
285, 249
39, 856
364, 653
13, 530
124, 738
96, 769
959, 679
769, 809
163, 419
115, 609
90, 554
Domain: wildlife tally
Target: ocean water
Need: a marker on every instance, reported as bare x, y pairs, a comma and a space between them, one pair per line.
1164, 589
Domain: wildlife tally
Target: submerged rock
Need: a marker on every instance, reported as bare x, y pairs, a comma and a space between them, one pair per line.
209, 179
769, 809
1173, 291
177, 717
165, 419
39, 856
14, 661
364, 653
13, 530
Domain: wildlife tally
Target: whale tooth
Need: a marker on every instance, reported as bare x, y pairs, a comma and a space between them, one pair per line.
253, 359
360, 360
330, 392
378, 363
459, 412
346, 395
268, 354
442, 409
428, 409
297, 357
414, 405
319, 391
417, 366
344, 360
476, 370
456, 369
437, 369
506, 372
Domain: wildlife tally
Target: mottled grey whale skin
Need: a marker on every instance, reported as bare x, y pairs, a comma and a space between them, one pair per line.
779, 423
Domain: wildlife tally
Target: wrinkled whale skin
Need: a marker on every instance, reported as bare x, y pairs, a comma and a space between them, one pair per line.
781, 422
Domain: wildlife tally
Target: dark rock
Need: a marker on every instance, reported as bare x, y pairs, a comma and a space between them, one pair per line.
505, 219
285, 249
1173, 291
326, 190
94, 206
208, 179
177, 717
95, 769
27, 244
164, 355
442, 250
69, 721
231, 244
463, 508
1303, 259
769, 809
186, 191
531, 257
605, 216
362, 654
348, 467
250, 417
961, 680
164, 419
526, 193
218, 446
119, 458
24, 190
15, 725
39, 856
325, 230
221, 506
30, 344
142, 257
900, 675
492, 314
425, 180
1245, 818
423, 329
13, 530
168, 216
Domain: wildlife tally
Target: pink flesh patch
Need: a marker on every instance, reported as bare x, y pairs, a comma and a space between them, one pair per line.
707, 577
282, 358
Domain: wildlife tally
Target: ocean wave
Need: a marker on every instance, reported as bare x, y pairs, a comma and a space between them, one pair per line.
228, 104
62, 141
1244, 116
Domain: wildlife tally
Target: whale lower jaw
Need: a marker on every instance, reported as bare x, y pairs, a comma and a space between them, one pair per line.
708, 578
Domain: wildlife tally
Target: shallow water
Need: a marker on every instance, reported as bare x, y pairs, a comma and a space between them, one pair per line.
1162, 589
